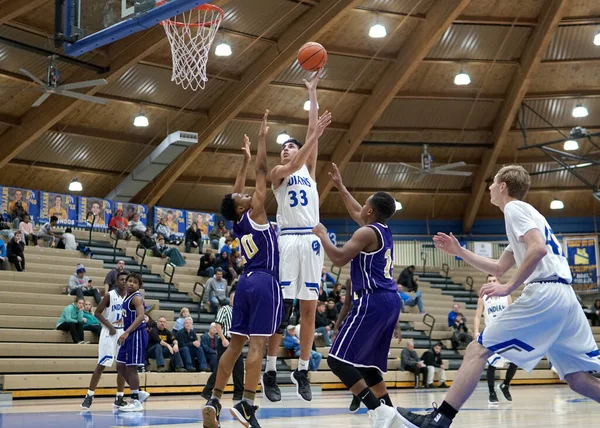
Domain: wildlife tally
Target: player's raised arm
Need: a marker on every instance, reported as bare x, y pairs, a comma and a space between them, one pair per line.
279, 172
258, 213
313, 118
352, 205
362, 238
240, 181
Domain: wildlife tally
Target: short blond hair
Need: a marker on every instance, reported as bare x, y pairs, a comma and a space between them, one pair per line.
517, 180
182, 311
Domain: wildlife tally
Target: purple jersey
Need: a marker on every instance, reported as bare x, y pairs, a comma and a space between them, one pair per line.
258, 243
373, 271
129, 313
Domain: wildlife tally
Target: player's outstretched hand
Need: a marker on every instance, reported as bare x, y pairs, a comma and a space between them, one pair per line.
335, 175
447, 243
494, 289
320, 230
264, 127
312, 84
246, 148
324, 122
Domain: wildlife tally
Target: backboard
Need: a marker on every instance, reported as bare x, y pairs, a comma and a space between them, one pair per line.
97, 23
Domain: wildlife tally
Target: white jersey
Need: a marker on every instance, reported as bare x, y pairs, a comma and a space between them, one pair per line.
113, 312
492, 307
520, 217
297, 202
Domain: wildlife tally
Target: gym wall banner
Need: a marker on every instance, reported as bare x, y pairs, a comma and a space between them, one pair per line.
205, 221
130, 209
57, 204
175, 219
28, 198
582, 255
102, 208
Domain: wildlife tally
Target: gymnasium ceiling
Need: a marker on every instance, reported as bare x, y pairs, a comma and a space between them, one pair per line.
395, 93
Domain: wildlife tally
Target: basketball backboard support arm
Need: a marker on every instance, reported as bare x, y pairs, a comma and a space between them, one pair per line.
140, 22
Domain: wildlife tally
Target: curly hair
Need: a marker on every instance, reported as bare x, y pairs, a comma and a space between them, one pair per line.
384, 204
137, 277
228, 208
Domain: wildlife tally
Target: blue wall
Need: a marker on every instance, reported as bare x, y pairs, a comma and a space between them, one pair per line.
482, 229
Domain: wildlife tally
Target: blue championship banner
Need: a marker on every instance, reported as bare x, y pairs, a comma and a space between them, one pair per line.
27, 198
102, 208
64, 207
130, 209
205, 221
583, 260
174, 218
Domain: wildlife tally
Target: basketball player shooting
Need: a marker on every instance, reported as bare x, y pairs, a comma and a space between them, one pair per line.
545, 320
359, 353
295, 189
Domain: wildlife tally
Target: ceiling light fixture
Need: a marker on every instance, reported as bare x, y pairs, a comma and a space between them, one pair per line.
398, 206
462, 78
283, 137
75, 186
223, 49
557, 204
571, 145
307, 105
597, 39
377, 31
580, 111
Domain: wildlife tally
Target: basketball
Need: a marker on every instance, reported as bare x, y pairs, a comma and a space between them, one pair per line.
312, 56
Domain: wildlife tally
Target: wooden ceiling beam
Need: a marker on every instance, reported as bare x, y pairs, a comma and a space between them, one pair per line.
532, 56
11, 9
6, 119
309, 26
439, 18
64, 168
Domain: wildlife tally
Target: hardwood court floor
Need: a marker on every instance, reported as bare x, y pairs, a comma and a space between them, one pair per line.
533, 406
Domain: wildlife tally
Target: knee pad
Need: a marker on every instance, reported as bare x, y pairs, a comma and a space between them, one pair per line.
288, 306
371, 375
347, 373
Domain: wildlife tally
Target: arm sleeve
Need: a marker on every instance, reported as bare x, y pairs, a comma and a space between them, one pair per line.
451, 318
404, 358
329, 278
220, 316
170, 337
154, 339
519, 219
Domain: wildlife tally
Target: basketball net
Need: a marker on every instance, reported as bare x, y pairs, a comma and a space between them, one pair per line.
191, 35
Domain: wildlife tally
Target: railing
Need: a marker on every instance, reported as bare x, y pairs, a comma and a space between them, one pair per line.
446, 270
114, 235
469, 281
336, 271
141, 256
424, 260
87, 218
201, 295
170, 276
429, 324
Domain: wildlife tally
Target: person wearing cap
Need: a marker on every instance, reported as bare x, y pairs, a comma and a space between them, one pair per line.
215, 292
292, 344
80, 285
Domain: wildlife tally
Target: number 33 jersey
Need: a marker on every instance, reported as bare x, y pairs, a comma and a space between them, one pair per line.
258, 244
373, 271
297, 201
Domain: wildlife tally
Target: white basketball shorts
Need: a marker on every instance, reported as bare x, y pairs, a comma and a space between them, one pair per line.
108, 348
545, 320
301, 259
497, 361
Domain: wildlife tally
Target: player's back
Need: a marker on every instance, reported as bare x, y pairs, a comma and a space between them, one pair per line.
129, 312
258, 245
297, 201
113, 313
372, 271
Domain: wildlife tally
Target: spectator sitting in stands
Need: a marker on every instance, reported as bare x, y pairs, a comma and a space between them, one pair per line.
209, 346
80, 285
331, 311
183, 314
216, 234
71, 320
410, 361
5, 227
340, 304
336, 292
119, 225
3, 256
408, 300
292, 344
227, 244
90, 322
323, 326
163, 229
453, 313
15, 252
237, 262
323, 295
207, 264
460, 337
215, 292
224, 263
136, 227
408, 280
68, 240
161, 250
595, 318
150, 323
162, 344
18, 213
111, 278
147, 241
26, 227
188, 339
326, 280
433, 359
47, 235
193, 238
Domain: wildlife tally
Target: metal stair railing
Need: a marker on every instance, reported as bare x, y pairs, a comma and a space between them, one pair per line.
114, 235
201, 295
469, 281
169, 275
446, 270
141, 256
87, 219
429, 324
424, 259
336, 271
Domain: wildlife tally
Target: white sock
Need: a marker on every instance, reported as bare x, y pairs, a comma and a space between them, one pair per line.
90, 393
271, 364
120, 394
302, 364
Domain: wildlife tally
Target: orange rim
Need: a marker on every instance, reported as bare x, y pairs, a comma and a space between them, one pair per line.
205, 6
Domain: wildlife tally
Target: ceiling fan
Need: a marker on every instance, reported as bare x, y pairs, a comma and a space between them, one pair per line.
52, 86
427, 169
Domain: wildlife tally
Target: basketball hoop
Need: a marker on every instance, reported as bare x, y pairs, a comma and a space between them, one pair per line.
191, 34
